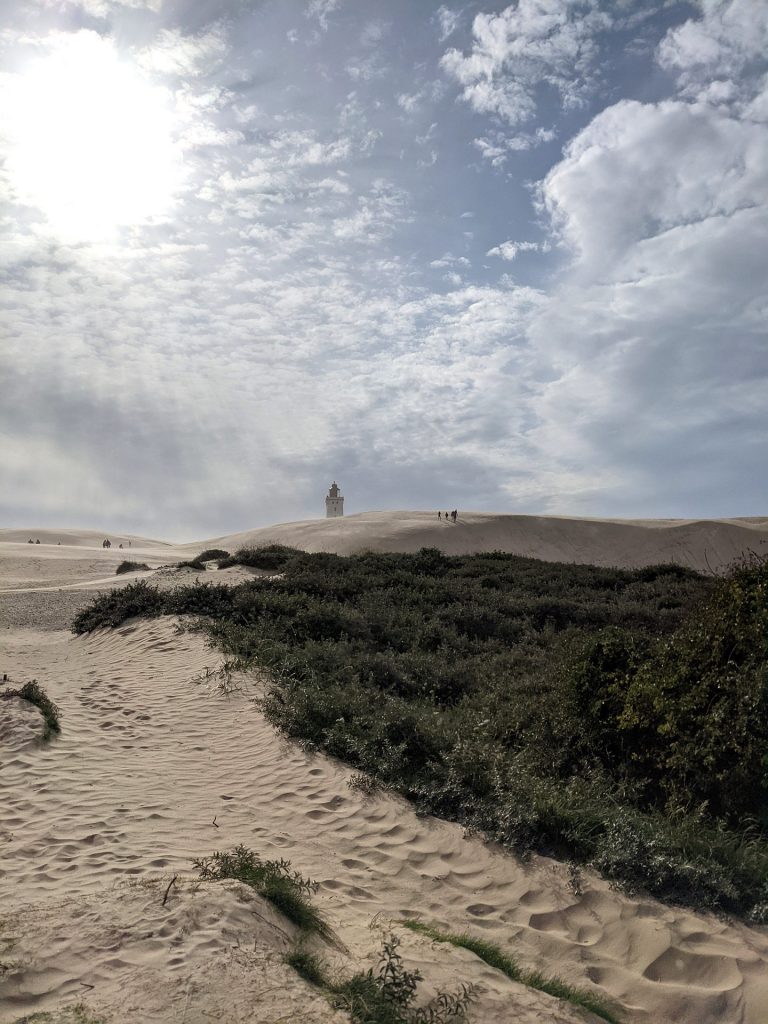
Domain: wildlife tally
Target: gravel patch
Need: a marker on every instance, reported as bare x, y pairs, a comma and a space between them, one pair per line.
51, 609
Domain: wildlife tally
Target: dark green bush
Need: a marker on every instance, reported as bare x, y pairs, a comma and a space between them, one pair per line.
211, 554
617, 717
130, 567
111, 609
270, 556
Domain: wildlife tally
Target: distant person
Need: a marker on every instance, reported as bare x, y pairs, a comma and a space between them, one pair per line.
439, 515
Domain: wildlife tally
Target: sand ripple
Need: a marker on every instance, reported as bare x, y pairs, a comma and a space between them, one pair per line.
157, 765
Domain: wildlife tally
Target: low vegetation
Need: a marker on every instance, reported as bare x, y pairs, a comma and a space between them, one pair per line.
385, 995
35, 694
271, 558
209, 555
274, 880
618, 718
127, 566
495, 957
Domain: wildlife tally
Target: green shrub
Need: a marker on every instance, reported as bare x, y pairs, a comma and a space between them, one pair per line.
130, 567
35, 694
111, 609
269, 556
211, 554
272, 879
611, 716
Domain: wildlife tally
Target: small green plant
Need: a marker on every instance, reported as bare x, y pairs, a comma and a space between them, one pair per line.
385, 995
130, 567
285, 889
35, 694
495, 957
309, 966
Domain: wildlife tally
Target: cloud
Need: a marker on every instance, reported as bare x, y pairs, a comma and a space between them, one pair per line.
509, 250
102, 8
535, 42
448, 21
640, 170
321, 9
496, 147
655, 337
185, 56
721, 45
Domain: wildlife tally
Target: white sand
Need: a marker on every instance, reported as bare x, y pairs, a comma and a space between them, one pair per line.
95, 824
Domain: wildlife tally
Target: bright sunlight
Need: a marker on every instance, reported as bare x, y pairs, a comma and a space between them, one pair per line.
91, 139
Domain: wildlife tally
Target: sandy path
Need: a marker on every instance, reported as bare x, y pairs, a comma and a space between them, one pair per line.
152, 752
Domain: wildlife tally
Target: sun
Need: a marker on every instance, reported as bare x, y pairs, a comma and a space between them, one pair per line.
90, 140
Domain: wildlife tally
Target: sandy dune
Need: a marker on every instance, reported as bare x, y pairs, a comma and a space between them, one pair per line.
700, 544
158, 763
68, 558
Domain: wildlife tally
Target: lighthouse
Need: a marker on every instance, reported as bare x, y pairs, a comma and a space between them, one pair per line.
334, 502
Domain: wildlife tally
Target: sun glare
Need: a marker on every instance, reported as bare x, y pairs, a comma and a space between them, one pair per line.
91, 141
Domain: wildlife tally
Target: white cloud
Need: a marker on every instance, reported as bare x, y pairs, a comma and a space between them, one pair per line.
174, 53
321, 9
509, 250
524, 46
497, 147
448, 20
640, 170
655, 337
721, 44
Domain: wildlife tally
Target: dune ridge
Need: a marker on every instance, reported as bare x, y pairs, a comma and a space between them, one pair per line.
707, 545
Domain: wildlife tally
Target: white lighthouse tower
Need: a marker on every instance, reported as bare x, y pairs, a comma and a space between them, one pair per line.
334, 502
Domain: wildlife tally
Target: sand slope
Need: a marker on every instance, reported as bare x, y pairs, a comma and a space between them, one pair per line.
702, 545
160, 761
706, 545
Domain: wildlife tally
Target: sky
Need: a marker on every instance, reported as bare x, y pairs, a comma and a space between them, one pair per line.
508, 257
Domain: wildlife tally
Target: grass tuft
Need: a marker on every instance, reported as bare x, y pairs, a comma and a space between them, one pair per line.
386, 995
309, 966
495, 957
35, 694
286, 890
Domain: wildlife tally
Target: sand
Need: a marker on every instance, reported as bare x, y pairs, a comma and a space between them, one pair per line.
162, 758
706, 545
